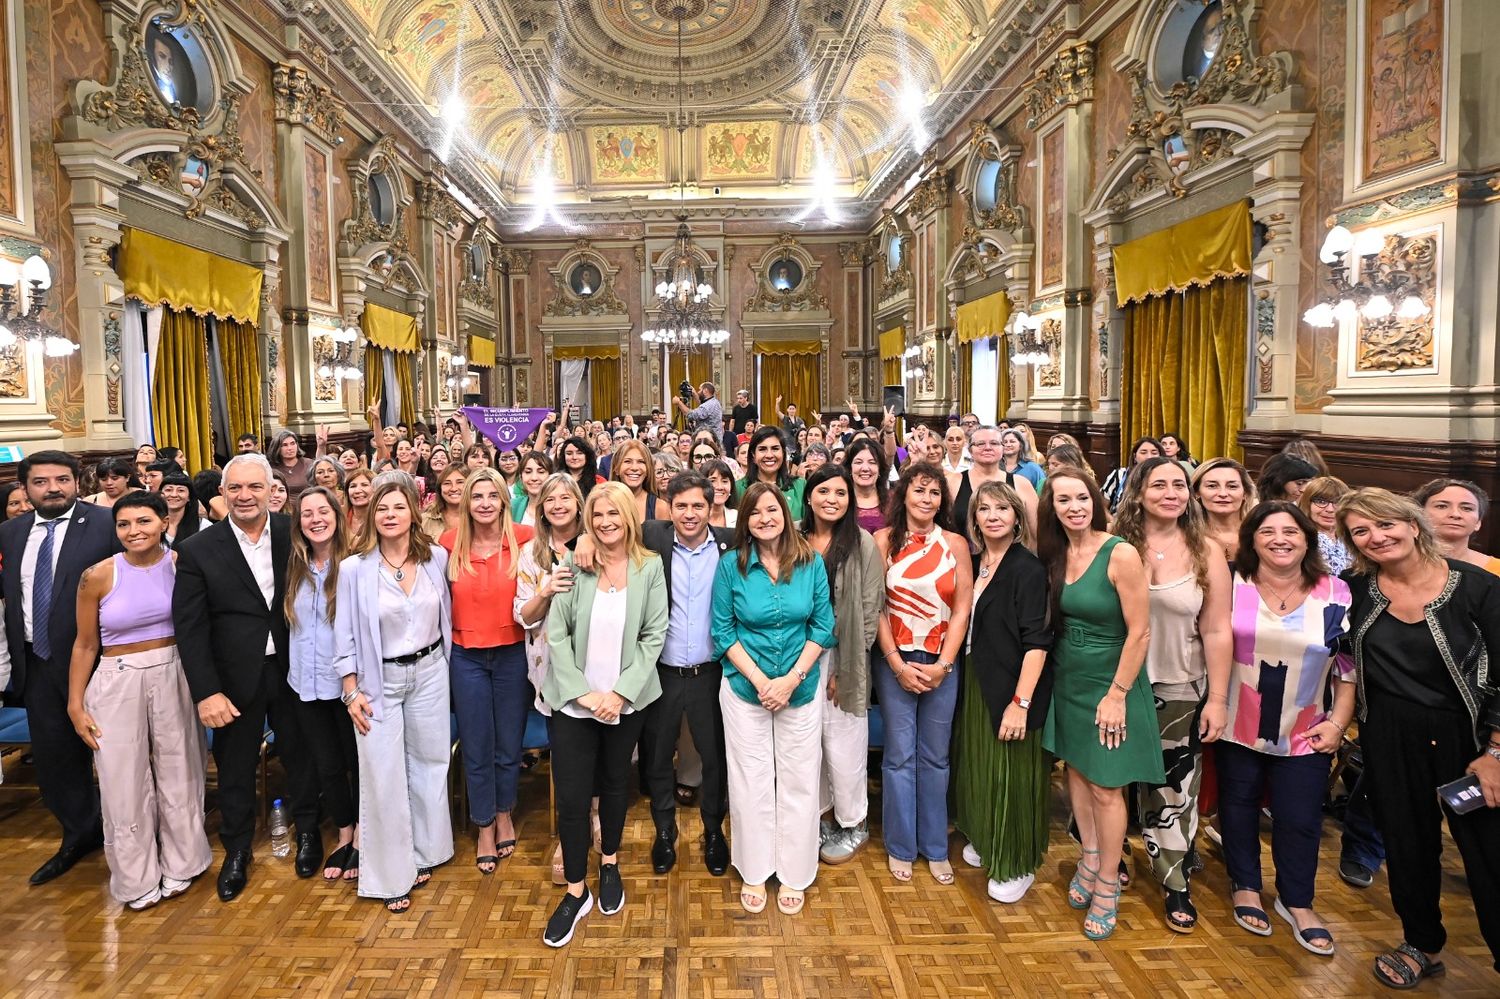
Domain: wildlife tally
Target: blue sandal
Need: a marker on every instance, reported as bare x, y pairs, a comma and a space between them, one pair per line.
1080, 897
1110, 916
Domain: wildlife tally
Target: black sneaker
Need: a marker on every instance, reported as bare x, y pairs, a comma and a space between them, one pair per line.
565, 918
611, 889
1356, 874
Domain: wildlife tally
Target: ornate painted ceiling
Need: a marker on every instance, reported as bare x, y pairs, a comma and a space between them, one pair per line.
576, 100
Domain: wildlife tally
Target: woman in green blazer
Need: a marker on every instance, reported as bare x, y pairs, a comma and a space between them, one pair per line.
605, 635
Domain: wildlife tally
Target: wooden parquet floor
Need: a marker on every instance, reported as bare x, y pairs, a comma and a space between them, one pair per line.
861, 933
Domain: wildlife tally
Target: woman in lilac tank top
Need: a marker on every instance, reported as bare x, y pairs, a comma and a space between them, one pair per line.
129, 701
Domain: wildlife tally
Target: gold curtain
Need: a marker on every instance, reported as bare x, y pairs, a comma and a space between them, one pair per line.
242, 378
374, 375
1190, 254
395, 331
892, 345
982, 317
965, 379
794, 377
1002, 381
164, 272
481, 352
1184, 364
696, 367
406, 385
585, 352
179, 389
604, 387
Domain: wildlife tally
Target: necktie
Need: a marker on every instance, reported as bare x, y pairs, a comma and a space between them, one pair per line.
41, 595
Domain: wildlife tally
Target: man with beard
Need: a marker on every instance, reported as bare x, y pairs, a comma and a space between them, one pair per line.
44, 553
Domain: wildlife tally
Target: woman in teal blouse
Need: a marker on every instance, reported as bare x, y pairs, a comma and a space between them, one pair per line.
772, 620
767, 462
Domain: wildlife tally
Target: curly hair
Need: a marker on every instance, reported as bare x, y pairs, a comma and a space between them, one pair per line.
1130, 516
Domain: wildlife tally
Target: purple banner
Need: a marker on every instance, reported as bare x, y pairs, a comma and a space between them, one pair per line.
505, 428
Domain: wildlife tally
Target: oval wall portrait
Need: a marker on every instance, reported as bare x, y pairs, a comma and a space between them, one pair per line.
585, 279
382, 199
178, 68
784, 274
1189, 39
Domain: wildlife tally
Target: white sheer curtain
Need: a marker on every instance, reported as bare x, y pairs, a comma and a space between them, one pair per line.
390, 399
984, 379
135, 378
571, 375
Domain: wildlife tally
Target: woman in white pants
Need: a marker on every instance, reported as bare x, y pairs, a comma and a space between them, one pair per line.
394, 625
772, 621
856, 585
135, 713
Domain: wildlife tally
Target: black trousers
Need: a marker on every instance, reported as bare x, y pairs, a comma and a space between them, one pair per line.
64, 764
590, 757
328, 735
237, 758
1411, 751
697, 698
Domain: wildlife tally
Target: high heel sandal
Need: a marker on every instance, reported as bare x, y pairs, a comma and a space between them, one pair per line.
1110, 916
1079, 897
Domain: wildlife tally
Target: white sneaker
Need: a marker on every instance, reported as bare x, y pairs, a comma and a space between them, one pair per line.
146, 901
1011, 891
971, 856
171, 887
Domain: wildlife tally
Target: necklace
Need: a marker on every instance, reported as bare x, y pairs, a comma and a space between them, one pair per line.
1283, 597
605, 571
1161, 554
984, 570
399, 571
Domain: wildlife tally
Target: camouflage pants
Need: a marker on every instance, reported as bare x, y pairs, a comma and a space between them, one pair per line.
1169, 811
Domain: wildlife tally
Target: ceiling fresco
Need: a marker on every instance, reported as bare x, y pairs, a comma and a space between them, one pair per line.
576, 100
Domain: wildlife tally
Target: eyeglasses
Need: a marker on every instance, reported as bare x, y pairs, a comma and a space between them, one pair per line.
702, 455
1325, 501
969, 423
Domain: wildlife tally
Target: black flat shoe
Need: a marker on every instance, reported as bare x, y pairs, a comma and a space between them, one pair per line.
565, 918
234, 875
664, 850
715, 852
309, 853
611, 889
338, 862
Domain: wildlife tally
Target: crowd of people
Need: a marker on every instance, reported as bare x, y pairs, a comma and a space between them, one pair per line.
712, 613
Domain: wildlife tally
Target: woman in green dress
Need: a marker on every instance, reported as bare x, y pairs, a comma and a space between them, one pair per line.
1100, 613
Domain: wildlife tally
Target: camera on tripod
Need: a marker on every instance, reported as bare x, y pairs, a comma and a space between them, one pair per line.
686, 393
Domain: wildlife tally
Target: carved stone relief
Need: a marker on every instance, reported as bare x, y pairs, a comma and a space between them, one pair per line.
1395, 344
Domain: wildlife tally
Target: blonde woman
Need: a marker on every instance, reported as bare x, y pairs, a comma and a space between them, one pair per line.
1226, 493
605, 634
633, 465
446, 511
488, 666
394, 627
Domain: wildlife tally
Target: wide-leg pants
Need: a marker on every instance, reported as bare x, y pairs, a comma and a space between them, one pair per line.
1169, 811
403, 779
152, 758
846, 760
775, 761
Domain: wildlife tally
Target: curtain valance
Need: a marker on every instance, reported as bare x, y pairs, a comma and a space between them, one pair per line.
983, 317
787, 347
1189, 254
161, 271
395, 331
481, 352
586, 352
893, 343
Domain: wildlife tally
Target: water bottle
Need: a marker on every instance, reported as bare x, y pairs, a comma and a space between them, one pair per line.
281, 841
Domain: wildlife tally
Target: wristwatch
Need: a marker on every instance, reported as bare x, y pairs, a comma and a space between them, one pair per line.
1493, 752
1024, 703
947, 666
800, 674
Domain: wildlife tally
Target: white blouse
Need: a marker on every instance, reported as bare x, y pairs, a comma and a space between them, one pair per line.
408, 622
601, 661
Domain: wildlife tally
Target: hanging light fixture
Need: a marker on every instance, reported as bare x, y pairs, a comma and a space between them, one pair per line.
1386, 294
684, 314
21, 307
1027, 344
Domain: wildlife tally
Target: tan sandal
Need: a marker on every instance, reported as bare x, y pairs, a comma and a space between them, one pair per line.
753, 898
941, 871
790, 901
900, 869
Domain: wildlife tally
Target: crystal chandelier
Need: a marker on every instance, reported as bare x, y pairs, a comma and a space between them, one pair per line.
684, 314
21, 307
1385, 294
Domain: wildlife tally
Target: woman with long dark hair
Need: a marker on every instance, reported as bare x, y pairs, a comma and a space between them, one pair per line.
1187, 663
768, 463
871, 476
1001, 786
320, 542
1176, 448
856, 588
928, 598
1424, 634
1100, 612
182, 507
286, 457
578, 461
1114, 485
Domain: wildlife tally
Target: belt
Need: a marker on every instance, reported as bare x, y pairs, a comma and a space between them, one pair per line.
420, 654
697, 669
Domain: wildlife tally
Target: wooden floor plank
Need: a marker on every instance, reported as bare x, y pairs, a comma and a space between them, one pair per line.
861, 933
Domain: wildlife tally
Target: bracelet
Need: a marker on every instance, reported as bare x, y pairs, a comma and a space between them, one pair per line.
1118, 686
348, 696
947, 666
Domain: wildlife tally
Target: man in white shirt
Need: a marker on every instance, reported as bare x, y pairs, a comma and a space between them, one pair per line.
44, 553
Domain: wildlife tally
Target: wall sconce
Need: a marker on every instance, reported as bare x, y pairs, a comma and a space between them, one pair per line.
1028, 347
338, 360
458, 375
1386, 293
21, 307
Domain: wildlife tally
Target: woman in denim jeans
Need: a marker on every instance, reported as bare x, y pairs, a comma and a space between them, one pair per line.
929, 585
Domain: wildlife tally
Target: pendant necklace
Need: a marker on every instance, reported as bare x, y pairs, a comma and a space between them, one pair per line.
1161, 554
1280, 597
984, 570
398, 571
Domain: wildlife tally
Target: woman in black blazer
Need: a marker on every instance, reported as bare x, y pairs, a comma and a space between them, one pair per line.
1002, 771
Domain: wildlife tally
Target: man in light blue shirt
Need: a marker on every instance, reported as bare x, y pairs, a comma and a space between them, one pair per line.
690, 550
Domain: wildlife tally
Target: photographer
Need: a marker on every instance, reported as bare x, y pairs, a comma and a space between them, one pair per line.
709, 415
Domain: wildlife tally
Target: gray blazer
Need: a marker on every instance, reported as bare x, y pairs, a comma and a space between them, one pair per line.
856, 616
645, 634
356, 623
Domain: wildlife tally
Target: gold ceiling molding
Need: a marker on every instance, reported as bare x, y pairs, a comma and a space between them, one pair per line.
300, 101
435, 203
1067, 81
930, 195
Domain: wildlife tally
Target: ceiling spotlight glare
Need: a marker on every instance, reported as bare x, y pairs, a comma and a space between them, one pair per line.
453, 110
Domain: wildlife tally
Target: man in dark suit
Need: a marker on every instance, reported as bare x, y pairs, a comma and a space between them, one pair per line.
44, 553
690, 550
232, 635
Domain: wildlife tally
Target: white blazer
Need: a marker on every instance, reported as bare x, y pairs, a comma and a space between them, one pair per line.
356, 623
